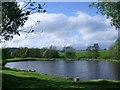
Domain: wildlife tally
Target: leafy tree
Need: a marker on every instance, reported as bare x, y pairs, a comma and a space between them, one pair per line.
92, 51
26, 52
34, 52
69, 52
52, 52
115, 50
14, 17
5, 55
46, 53
0, 14
20, 52
14, 54
110, 9
42, 50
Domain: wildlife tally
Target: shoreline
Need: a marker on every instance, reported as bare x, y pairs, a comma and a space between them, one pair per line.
17, 76
61, 59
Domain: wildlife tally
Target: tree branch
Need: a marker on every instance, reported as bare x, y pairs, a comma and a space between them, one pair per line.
6, 25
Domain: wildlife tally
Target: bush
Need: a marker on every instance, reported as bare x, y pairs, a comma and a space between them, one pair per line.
69, 52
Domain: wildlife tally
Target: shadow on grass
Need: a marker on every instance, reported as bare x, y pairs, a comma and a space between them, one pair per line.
12, 82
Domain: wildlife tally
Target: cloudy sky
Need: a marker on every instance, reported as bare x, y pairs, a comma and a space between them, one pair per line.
66, 24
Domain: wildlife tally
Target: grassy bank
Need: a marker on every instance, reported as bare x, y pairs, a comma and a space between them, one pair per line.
23, 79
32, 59
45, 59
80, 55
103, 54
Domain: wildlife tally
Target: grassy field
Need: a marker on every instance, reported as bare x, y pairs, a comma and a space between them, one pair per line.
80, 55
12, 78
103, 54
23, 79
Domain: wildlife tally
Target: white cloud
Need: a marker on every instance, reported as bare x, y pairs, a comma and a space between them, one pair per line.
60, 30
20, 4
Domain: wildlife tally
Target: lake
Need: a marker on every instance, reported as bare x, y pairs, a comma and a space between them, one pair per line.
85, 70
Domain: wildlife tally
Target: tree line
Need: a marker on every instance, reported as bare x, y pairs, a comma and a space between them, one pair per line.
92, 52
51, 52
25, 52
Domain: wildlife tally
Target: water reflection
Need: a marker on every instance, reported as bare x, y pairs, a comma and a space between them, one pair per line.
82, 69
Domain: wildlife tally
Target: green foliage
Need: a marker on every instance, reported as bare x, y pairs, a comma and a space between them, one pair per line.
92, 51
104, 54
14, 17
34, 52
47, 54
12, 78
26, 52
92, 54
5, 55
61, 54
115, 50
0, 14
51, 53
42, 50
111, 10
69, 52
20, 52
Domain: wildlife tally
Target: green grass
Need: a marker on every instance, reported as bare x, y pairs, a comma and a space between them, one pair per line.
80, 55
104, 54
28, 59
12, 78
44, 59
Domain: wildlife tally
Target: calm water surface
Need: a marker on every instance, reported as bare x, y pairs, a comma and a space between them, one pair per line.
85, 70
